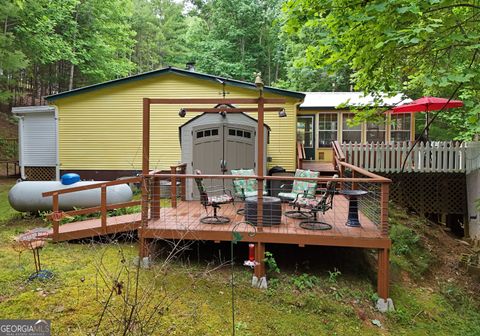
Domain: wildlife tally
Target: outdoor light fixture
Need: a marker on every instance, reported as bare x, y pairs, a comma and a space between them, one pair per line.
259, 81
182, 113
282, 113
223, 114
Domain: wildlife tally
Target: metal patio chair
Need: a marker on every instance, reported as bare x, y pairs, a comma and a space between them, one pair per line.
244, 188
213, 201
300, 189
316, 205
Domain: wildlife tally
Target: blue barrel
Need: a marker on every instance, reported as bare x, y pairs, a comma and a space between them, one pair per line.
69, 178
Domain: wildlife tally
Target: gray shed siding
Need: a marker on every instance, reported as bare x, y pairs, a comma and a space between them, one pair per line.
209, 119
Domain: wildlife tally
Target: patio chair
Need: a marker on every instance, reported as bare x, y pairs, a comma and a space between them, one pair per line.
244, 188
212, 201
300, 189
316, 205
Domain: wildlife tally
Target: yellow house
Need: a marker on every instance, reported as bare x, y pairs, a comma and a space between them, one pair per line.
320, 121
96, 131
100, 126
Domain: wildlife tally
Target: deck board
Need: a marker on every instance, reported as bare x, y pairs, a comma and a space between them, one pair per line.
183, 222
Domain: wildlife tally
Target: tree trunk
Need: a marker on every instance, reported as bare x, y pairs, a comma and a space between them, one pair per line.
70, 83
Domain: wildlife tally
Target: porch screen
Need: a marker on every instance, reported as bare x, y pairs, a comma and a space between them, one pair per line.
400, 127
351, 133
327, 129
376, 131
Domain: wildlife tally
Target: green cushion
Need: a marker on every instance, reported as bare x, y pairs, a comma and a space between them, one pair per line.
243, 187
300, 187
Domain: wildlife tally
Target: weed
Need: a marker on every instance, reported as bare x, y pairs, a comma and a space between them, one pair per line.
305, 281
334, 275
271, 263
404, 239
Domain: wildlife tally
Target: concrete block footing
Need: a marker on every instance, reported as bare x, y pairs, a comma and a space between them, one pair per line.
384, 306
259, 283
145, 262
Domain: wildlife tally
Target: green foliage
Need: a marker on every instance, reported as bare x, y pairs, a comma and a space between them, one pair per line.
417, 47
408, 251
334, 275
235, 38
405, 240
271, 263
305, 281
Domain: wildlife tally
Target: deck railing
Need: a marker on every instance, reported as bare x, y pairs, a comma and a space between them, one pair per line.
57, 215
374, 206
382, 193
429, 157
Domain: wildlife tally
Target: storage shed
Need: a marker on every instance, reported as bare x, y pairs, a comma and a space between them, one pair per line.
37, 131
216, 143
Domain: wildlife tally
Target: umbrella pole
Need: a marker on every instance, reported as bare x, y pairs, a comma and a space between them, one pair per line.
426, 125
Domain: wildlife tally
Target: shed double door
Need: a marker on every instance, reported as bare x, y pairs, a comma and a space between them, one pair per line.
217, 149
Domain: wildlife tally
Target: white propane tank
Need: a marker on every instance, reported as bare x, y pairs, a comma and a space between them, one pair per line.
27, 196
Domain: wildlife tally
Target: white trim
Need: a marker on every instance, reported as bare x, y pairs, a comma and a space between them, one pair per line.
57, 157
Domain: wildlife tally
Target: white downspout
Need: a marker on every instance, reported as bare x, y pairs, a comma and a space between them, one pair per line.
20, 145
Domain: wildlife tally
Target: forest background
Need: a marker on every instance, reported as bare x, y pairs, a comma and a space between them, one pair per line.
423, 47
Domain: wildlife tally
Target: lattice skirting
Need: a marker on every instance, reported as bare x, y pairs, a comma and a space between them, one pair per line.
40, 173
440, 193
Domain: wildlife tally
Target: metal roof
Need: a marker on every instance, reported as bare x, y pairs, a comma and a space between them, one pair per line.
171, 70
32, 109
333, 99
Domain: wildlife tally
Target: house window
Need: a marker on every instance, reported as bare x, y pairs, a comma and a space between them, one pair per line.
376, 132
327, 129
351, 133
305, 131
400, 127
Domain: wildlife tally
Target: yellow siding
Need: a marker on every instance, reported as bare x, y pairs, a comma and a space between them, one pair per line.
102, 129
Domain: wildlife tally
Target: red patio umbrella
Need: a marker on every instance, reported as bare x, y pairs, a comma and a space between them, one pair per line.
427, 104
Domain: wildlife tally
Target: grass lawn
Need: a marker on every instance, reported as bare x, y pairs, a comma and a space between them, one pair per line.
181, 296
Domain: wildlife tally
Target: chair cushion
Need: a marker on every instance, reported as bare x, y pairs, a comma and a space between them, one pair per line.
242, 187
299, 187
306, 203
220, 199
253, 193
288, 196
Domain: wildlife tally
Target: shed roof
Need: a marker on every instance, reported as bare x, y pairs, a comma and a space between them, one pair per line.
32, 109
170, 70
334, 99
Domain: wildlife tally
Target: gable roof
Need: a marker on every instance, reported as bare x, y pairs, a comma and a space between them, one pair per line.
315, 100
172, 70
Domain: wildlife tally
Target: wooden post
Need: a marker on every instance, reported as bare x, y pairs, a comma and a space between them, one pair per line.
55, 218
183, 183
259, 270
155, 210
146, 136
173, 187
384, 193
383, 274
260, 154
145, 169
354, 184
103, 206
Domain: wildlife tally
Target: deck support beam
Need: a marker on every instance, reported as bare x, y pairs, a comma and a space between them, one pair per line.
383, 274
259, 270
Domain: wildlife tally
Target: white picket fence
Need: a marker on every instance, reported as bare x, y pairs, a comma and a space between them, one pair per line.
430, 157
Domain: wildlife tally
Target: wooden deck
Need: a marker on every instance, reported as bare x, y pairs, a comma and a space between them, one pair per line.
183, 222
323, 167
